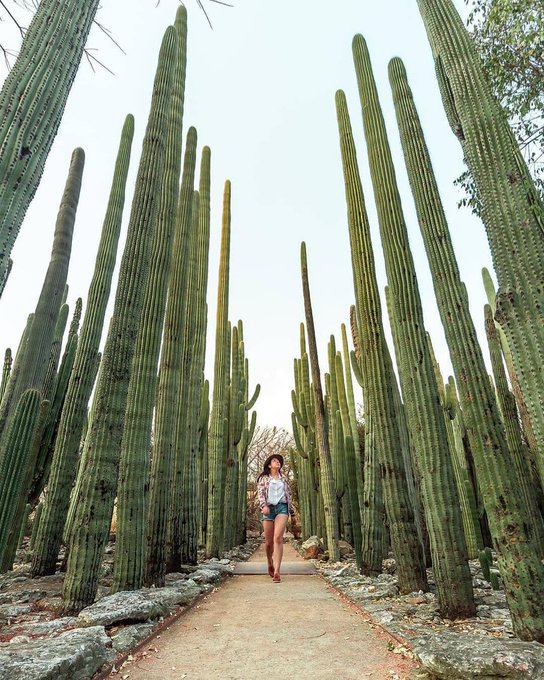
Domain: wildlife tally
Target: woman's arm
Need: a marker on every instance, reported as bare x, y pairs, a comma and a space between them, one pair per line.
261, 492
288, 496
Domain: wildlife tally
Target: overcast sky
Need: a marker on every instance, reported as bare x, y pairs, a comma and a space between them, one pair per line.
260, 91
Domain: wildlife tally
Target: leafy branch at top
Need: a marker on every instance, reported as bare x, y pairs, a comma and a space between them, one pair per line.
510, 37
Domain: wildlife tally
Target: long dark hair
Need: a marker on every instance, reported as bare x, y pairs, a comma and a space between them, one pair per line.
266, 464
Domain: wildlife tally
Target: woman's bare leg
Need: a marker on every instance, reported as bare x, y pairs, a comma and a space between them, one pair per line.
268, 527
280, 523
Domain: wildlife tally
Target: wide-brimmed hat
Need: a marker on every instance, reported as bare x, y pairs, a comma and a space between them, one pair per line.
274, 455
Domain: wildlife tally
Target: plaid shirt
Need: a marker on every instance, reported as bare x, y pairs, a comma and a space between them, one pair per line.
262, 492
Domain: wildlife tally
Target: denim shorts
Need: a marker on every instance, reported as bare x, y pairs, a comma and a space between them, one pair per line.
275, 510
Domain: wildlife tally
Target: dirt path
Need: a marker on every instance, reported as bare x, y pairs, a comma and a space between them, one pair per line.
251, 628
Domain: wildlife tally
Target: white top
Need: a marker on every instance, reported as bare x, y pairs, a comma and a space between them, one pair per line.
276, 491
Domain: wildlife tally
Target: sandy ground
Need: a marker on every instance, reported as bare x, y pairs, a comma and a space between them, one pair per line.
253, 628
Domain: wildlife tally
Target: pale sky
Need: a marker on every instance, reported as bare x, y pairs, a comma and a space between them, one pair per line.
260, 91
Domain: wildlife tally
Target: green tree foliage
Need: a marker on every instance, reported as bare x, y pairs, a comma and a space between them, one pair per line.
510, 38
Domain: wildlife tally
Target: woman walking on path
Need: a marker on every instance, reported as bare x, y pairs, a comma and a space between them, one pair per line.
276, 505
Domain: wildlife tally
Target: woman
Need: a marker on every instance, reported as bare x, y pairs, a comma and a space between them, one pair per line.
276, 506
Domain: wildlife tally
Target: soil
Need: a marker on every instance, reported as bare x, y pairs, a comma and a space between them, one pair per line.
251, 627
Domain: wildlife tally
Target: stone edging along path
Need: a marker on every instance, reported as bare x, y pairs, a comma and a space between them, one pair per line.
36, 644
479, 648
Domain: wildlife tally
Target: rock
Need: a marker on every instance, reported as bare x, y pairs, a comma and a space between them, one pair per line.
451, 656
138, 605
20, 596
204, 575
74, 655
312, 549
345, 549
43, 627
128, 637
12, 611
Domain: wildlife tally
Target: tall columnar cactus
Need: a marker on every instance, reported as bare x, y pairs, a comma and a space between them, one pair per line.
37, 350
377, 374
48, 537
195, 349
185, 491
303, 423
47, 440
6, 402
32, 102
202, 471
6, 370
217, 443
502, 496
373, 530
524, 415
525, 479
136, 445
14, 462
512, 210
164, 449
353, 461
325, 464
103, 440
424, 417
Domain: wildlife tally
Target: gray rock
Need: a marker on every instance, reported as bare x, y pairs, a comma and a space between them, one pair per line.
74, 655
45, 627
312, 548
11, 611
138, 605
451, 656
22, 596
204, 575
128, 637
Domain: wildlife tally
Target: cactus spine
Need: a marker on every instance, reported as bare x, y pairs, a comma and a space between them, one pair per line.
512, 210
32, 102
48, 536
103, 441
219, 415
136, 444
379, 402
325, 463
424, 417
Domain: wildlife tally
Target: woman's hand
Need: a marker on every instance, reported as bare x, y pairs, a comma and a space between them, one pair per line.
266, 510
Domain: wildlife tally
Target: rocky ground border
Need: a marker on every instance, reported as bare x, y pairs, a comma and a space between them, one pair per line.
479, 648
37, 644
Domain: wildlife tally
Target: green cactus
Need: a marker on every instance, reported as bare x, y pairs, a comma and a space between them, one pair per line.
524, 416
507, 499
422, 406
379, 403
48, 537
196, 425
467, 496
5, 372
163, 473
32, 102
523, 485
325, 465
136, 445
103, 441
35, 361
512, 210
15, 462
202, 468
217, 443
7, 397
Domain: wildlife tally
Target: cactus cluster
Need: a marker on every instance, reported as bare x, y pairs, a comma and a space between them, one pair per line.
69, 466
